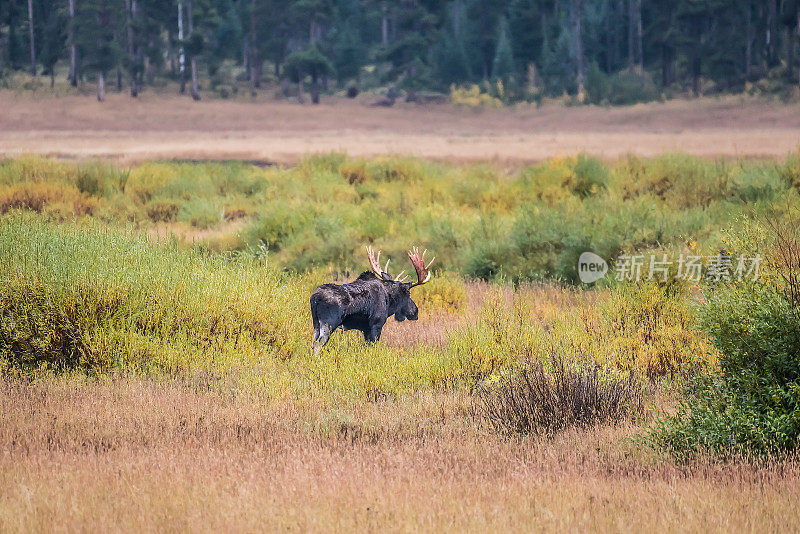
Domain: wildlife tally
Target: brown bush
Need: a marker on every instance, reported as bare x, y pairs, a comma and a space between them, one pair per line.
546, 399
234, 215
35, 196
163, 211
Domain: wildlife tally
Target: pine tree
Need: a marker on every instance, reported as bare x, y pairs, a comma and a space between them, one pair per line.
309, 61
452, 62
53, 37
503, 64
97, 21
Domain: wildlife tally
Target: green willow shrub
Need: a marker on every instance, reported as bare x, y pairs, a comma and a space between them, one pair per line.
752, 405
83, 297
479, 220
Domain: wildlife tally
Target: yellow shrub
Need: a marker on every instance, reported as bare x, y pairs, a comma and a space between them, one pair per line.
649, 328
471, 96
145, 181
445, 292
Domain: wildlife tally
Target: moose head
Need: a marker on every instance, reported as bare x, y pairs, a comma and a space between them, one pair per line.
400, 290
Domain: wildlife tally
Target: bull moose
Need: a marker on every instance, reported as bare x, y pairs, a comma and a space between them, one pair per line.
367, 302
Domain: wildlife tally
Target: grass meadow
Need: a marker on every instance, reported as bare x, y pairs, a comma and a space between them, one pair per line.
157, 372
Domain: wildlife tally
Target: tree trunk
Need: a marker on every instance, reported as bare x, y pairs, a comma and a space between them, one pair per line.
129, 14
73, 52
631, 23
170, 53
150, 71
181, 55
616, 38
254, 55
33, 44
101, 87
52, 76
312, 28
607, 31
195, 88
300, 97
12, 35
696, 75
789, 52
246, 58
748, 35
314, 88
384, 25
119, 80
798, 39
772, 33
257, 70
639, 45
667, 58
577, 6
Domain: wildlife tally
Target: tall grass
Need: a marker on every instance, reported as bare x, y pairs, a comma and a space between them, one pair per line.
481, 221
81, 296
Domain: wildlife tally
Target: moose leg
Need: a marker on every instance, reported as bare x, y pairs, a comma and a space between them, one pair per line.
373, 334
322, 337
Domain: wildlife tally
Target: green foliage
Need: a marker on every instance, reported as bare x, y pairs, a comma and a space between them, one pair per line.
682, 46
752, 405
201, 213
478, 220
85, 298
622, 88
309, 61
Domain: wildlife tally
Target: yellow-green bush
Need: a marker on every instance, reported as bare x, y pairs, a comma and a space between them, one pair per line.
444, 292
649, 327
480, 221
472, 96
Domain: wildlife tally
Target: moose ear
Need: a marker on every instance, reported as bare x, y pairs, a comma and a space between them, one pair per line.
386, 277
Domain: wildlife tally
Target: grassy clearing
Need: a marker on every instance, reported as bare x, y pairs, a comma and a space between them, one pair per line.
98, 300
176, 378
127, 454
481, 221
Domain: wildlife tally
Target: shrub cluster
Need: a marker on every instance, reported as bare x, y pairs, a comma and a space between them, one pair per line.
548, 397
83, 298
752, 404
479, 221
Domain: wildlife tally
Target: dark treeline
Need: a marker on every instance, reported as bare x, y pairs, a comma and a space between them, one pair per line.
612, 51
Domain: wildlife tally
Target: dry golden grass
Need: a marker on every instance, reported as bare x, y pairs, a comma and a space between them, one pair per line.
163, 126
127, 455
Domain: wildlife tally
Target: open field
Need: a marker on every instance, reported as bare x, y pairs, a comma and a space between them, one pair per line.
155, 362
126, 454
166, 127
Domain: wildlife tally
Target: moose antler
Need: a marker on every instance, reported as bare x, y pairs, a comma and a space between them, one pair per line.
375, 264
418, 260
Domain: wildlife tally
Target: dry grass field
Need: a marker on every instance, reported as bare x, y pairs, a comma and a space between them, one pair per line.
165, 127
191, 430
130, 455
199, 453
